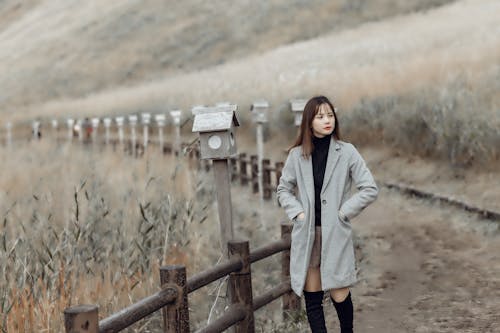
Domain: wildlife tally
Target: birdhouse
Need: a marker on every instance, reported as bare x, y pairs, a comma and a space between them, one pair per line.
176, 117
259, 111
119, 121
107, 122
36, 129
146, 118
95, 123
215, 126
132, 120
297, 106
160, 120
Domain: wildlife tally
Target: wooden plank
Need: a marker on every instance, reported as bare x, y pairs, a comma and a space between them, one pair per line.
240, 285
223, 189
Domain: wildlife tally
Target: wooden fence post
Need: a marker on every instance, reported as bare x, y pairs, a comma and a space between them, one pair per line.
81, 319
240, 285
277, 169
175, 316
254, 162
291, 302
266, 178
243, 169
233, 162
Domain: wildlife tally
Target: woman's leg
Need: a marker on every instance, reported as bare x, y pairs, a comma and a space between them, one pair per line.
339, 295
314, 301
343, 305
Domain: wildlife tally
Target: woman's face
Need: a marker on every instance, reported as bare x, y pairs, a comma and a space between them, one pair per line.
323, 122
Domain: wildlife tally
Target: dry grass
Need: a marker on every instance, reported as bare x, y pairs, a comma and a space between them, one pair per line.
83, 227
65, 49
86, 226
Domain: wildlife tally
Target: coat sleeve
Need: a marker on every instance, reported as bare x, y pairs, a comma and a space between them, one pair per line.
363, 180
286, 189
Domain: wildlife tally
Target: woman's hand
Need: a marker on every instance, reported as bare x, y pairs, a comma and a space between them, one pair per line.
301, 216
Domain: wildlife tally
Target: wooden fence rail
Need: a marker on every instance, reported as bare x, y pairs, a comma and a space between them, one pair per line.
172, 299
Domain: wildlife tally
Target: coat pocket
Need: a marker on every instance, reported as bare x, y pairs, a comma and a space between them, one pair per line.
343, 218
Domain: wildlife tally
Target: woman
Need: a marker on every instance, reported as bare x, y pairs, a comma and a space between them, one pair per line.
323, 168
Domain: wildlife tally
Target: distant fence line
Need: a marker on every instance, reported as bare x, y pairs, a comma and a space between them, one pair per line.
244, 167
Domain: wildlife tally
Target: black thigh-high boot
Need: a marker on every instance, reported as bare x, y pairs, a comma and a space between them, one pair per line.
314, 310
345, 313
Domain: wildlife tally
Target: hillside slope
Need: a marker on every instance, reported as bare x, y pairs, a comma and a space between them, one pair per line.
376, 59
55, 49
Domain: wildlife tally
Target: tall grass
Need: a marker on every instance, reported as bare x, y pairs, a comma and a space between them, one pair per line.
457, 122
83, 227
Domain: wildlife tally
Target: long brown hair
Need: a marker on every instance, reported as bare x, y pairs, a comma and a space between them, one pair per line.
306, 134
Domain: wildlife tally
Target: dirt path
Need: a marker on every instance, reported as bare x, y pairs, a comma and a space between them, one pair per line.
424, 268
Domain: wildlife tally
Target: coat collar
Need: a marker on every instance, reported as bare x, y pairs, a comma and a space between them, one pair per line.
334, 153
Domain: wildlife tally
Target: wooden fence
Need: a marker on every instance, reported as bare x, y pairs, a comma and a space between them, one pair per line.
172, 299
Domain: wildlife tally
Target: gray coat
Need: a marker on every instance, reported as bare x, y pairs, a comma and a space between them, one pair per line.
344, 166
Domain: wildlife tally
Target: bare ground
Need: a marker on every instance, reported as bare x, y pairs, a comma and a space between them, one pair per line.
425, 268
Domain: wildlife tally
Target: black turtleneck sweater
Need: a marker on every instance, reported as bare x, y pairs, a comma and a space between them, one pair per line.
319, 157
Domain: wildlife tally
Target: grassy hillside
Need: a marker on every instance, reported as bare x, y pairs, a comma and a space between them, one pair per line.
56, 49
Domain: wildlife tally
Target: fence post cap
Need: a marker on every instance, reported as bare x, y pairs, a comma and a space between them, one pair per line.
238, 241
172, 267
81, 308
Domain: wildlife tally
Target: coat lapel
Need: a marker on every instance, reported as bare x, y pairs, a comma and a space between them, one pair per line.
334, 153
307, 176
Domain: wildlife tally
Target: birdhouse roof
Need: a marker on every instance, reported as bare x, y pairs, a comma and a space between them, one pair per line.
260, 104
298, 104
209, 120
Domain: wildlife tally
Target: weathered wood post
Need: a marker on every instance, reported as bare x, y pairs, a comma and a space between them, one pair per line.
278, 169
70, 123
215, 126
259, 115
8, 134
160, 120
254, 167
233, 162
297, 107
95, 126
79, 127
132, 121
146, 119
107, 124
119, 123
55, 128
291, 302
81, 319
176, 117
266, 178
240, 285
36, 129
243, 169
175, 316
